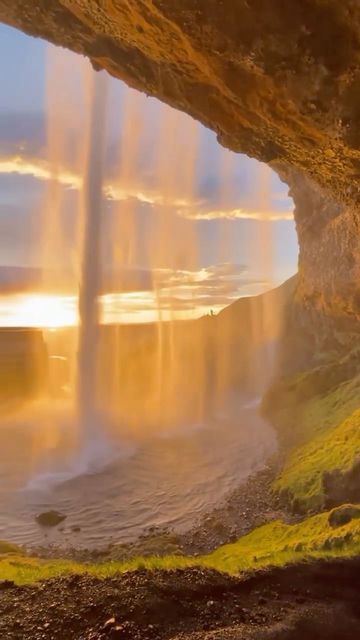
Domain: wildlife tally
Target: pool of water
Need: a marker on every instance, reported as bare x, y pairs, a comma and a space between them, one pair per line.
115, 487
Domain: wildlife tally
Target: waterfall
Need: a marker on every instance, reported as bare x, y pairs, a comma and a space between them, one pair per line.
178, 369
90, 279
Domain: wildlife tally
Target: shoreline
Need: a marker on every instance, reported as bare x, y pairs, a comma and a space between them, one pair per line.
238, 495
251, 504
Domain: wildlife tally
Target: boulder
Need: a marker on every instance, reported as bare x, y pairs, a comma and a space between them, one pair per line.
50, 518
342, 515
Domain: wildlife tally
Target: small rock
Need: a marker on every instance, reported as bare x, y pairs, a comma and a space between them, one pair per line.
300, 599
119, 631
50, 518
329, 153
125, 630
6, 584
110, 623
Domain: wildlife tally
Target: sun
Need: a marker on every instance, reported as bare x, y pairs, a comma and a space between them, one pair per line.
43, 310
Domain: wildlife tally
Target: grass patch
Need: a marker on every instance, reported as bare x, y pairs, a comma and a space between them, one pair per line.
277, 544
317, 417
336, 449
274, 544
9, 547
300, 415
322, 413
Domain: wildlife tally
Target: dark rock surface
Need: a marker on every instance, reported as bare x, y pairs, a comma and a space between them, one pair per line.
342, 486
50, 518
6, 584
312, 601
326, 310
274, 79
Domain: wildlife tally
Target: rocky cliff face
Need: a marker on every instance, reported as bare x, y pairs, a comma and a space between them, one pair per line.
326, 310
277, 80
329, 239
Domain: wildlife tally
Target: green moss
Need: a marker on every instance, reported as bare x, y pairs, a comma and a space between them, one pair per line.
277, 543
300, 412
9, 547
274, 544
322, 413
319, 380
316, 414
336, 449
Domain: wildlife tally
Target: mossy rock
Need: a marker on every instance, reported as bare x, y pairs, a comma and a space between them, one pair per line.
9, 547
342, 515
292, 391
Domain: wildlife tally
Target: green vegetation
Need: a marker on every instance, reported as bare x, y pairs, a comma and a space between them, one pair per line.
317, 415
277, 543
301, 412
274, 544
324, 412
336, 449
9, 547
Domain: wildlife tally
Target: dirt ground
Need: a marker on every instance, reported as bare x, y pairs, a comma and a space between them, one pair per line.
304, 602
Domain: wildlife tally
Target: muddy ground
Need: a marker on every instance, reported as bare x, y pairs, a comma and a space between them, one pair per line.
304, 602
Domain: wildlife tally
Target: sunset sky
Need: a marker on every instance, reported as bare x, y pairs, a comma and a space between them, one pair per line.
207, 226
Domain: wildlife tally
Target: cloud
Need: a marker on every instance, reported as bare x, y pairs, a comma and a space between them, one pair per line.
39, 169
191, 209
24, 153
191, 291
237, 214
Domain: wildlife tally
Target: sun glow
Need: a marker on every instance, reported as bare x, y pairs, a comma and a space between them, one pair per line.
47, 311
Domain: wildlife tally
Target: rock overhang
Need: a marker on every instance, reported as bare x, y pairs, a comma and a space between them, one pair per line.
279, 81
